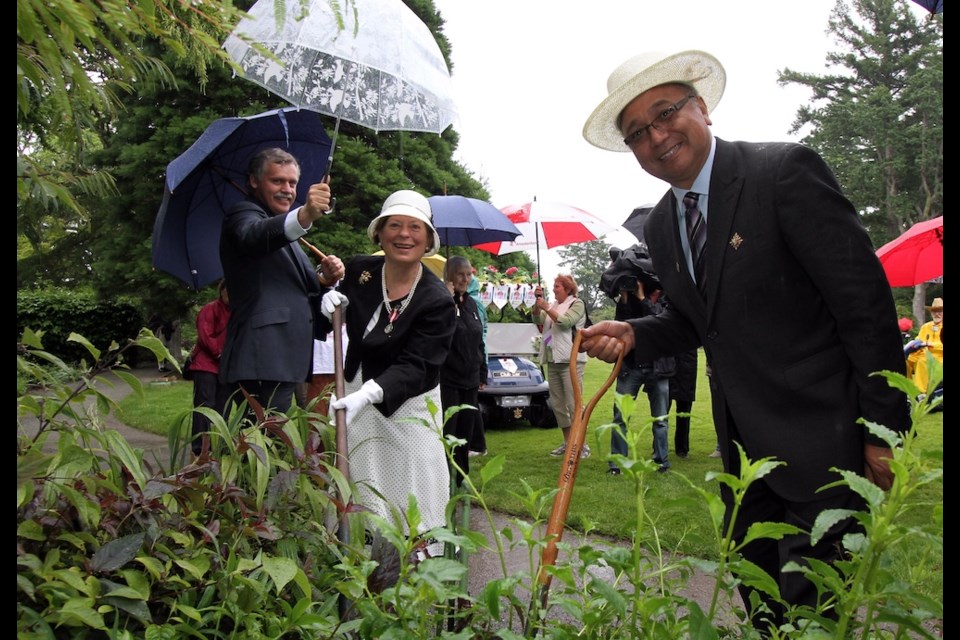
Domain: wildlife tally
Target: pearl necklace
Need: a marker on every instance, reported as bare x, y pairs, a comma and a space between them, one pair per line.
392, 313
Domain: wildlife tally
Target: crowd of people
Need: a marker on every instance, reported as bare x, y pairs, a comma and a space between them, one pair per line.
745, 245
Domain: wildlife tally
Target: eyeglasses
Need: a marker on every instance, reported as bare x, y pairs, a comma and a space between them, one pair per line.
658, 123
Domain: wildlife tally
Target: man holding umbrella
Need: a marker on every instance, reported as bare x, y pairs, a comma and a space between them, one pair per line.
269, 345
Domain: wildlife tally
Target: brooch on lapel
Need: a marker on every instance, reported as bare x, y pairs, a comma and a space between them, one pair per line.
365, 277
735, 241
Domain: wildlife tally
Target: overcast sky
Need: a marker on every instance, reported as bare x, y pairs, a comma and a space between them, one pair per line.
527, 73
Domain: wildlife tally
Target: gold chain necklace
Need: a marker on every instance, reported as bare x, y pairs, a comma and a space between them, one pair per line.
394, 313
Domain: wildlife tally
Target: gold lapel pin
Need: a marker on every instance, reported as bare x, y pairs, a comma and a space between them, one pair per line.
736, 241
365, 277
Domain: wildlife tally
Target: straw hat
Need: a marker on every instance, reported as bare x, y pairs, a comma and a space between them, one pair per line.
648, 70
937, 305
406, 203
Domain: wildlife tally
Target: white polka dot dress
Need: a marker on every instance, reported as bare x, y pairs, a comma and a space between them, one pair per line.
398, 457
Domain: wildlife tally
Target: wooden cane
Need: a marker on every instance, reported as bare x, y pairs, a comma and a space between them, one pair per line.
568, 472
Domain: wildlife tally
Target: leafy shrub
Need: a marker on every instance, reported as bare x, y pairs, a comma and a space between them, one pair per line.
55, 313
242, 542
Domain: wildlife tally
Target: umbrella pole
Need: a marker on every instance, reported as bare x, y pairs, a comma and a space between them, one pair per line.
333, 144
536, 228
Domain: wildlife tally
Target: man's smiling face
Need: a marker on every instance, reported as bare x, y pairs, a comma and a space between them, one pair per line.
277, 187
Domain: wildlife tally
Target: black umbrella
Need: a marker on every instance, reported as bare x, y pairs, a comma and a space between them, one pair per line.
635, 221
211, 175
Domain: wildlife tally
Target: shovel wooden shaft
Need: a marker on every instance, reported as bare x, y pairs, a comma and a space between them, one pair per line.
340, 421
340, 415
571, 462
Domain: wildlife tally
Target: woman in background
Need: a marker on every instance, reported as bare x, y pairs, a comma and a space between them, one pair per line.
208, 391
464, 372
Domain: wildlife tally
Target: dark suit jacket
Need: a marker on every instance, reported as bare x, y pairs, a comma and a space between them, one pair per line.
406, 362
271, 282
798, 315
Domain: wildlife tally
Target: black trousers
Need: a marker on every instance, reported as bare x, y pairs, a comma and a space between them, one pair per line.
761, 504
207, 392
681, 431
271, 394
460, 425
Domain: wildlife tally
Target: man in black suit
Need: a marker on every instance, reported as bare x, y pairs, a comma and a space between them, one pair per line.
269, 345
791, 305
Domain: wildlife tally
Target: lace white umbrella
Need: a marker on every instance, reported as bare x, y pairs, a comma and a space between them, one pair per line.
375, 63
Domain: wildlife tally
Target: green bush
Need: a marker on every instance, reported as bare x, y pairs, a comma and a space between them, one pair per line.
242, 542
56, 313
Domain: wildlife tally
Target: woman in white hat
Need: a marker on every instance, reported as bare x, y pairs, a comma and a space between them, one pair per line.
931, 335
400, 320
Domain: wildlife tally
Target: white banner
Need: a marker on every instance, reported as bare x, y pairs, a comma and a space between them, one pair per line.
500, 296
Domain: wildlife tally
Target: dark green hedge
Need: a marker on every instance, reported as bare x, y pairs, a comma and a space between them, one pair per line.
59, 312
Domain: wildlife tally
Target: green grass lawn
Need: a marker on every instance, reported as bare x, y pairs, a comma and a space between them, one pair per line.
606, 504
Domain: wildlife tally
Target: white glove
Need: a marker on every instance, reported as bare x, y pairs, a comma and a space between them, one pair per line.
330, 301
369, 393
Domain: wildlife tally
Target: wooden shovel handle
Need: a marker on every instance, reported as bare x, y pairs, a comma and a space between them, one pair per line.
571, 461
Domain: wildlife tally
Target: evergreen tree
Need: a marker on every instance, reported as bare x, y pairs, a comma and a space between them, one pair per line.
877, 118
587, 261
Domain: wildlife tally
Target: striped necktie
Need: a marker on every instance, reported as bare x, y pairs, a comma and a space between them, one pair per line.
697, 235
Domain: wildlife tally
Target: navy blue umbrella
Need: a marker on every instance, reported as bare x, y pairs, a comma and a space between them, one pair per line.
464, 222
211, 175
933, 6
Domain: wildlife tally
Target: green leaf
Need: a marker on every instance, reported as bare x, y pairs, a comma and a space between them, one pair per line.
753, 576
75, 337
280, 570
492, 469
196, 567
132, 459
826, 520
31, 530
116, 553
771, 530
81, 610
152, 565
135, 607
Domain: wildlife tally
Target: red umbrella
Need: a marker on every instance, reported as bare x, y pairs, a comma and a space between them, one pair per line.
549, 223
916, 256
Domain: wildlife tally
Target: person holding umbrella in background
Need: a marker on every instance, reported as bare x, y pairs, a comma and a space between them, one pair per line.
269, 344
768, 267
400, 320
559, 320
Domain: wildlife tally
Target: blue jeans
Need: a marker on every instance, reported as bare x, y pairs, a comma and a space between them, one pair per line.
629, 382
